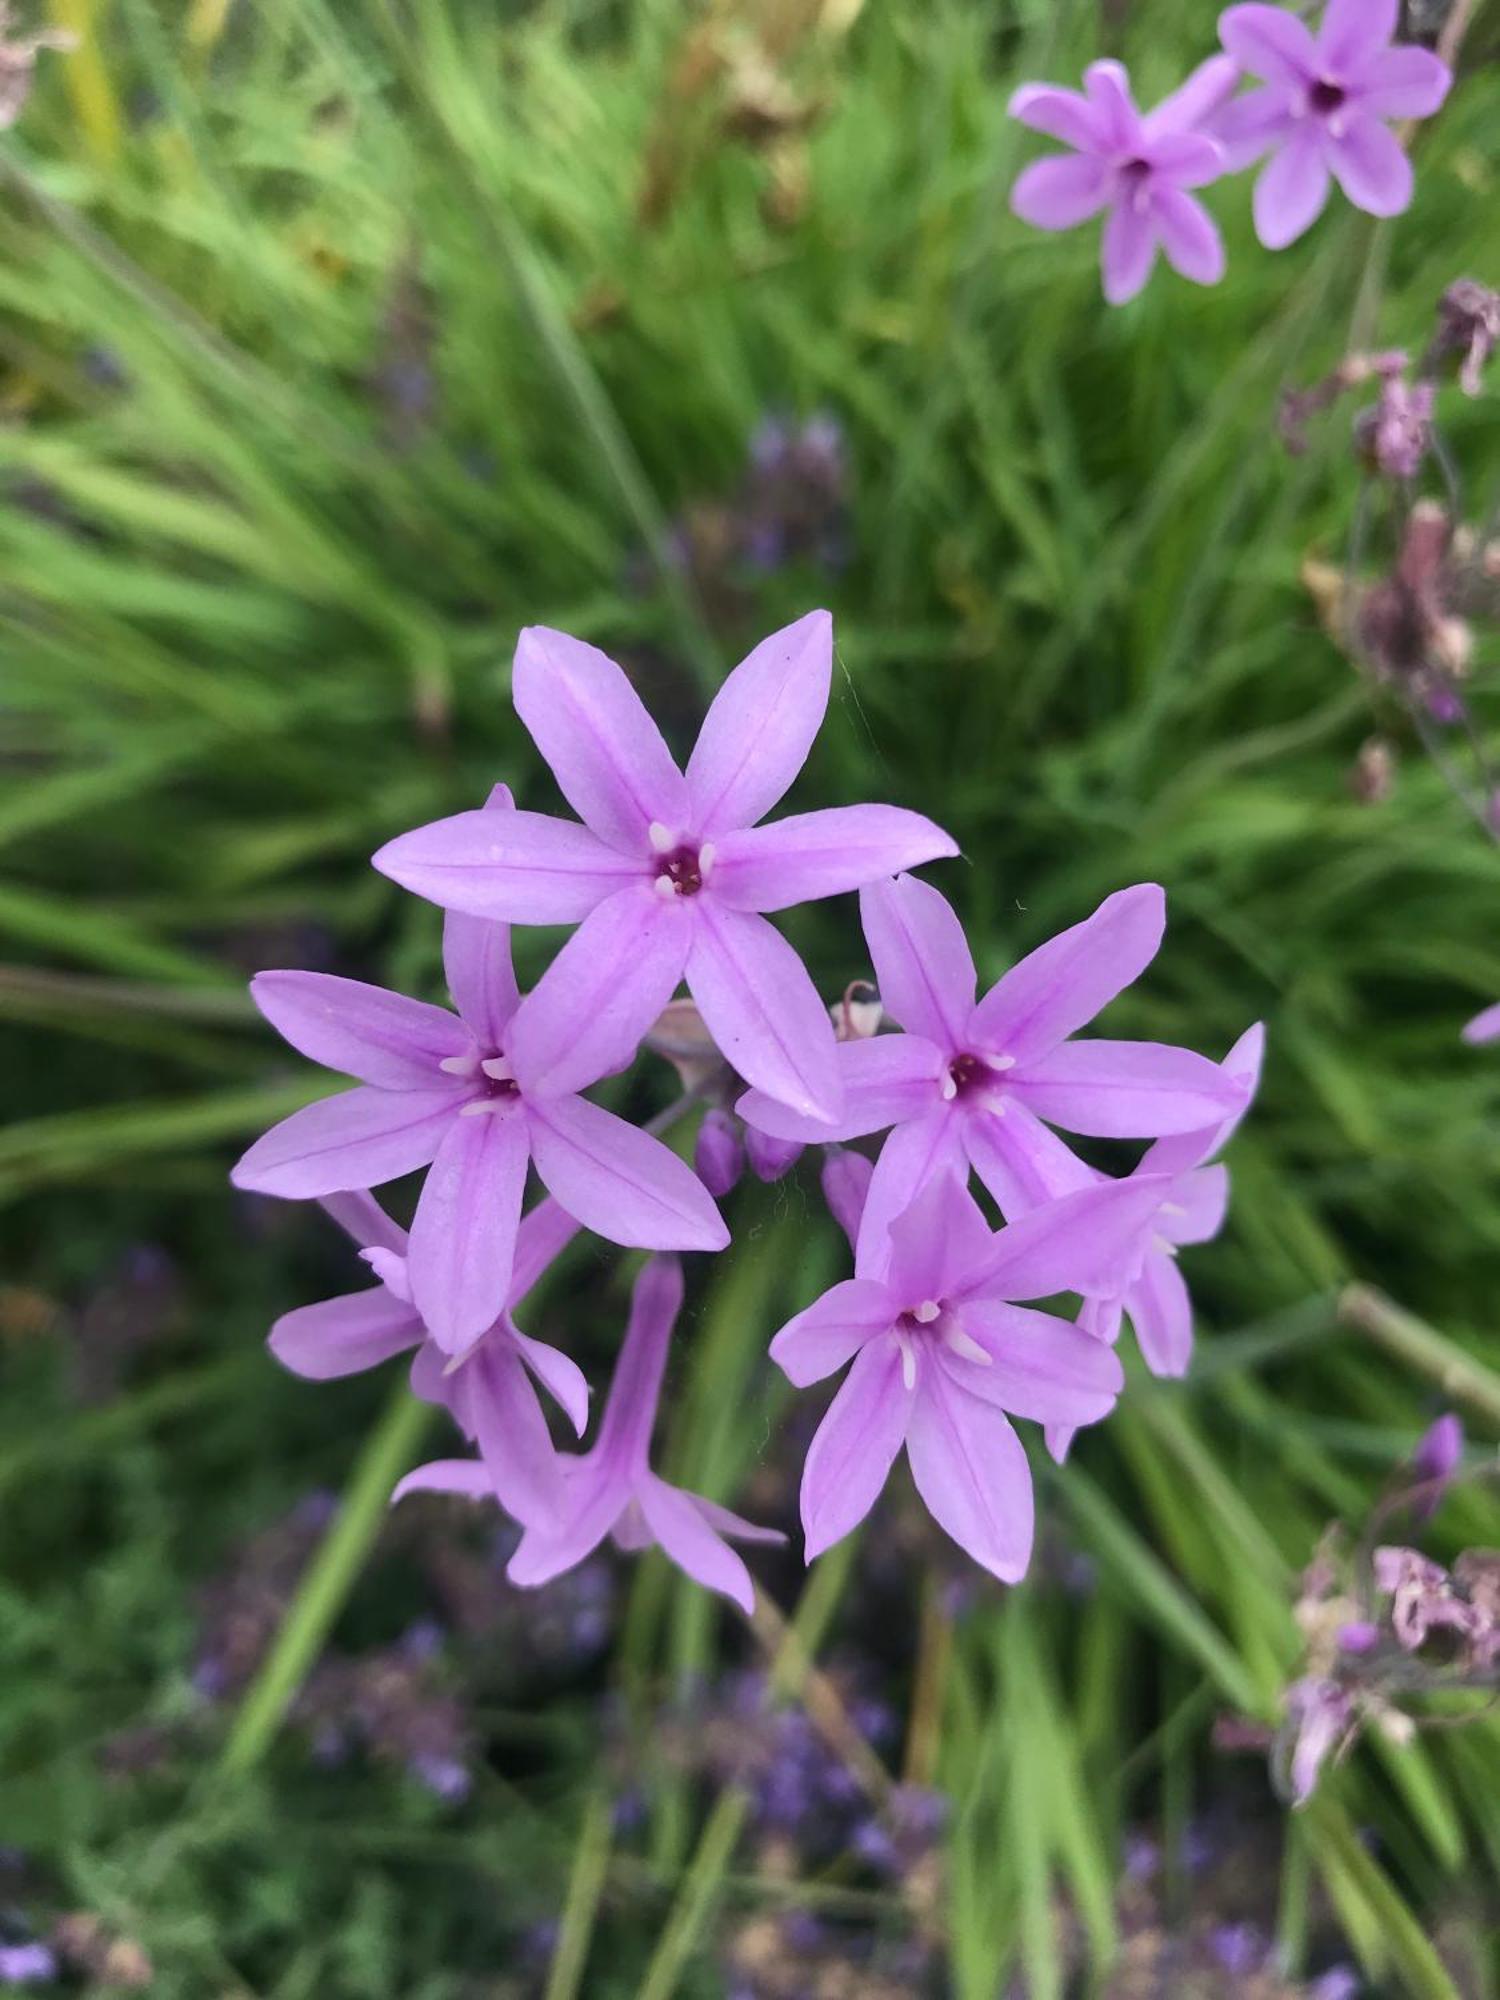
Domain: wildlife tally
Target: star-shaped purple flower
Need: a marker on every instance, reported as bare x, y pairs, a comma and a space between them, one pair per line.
942, 1353
611, 1490
1321, 109
464, 1092
971, 1085
1137, 166
669, 873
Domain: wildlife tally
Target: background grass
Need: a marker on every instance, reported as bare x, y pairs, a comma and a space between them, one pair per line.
338, 342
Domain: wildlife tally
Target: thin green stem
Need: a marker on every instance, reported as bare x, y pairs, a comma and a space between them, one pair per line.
585, 1886
1422, 1347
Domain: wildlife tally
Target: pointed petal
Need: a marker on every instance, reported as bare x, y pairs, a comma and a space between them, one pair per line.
1189, 236
1355, 31
1021, 1161
359, 1214
589, 723
465, 1478
1061, 986
619, 1181
1291, 189
635, 1388
1089, 1242
1060, 1441
809, 855
936, 1240
915, 1153
687, 1540
1485, 1027
1197, 99
594, 1503
498, 1406
1182, 1151
923, 966
971, 1470
762, 1009
760, 727
586, 1015
1128, 251
855, 1446
1060, 192
559, 1375
356, 1139
1040, 1366
1126, 1090
886, 1079
1270, 43
382, 1038
545, 1232
818, 1341
1371, 167
1161, 1311
1195, 1207
724, 1522
519, 867
1108, 87
481, 978
1249, 126
1403, 83
463, 1235
1061, 114
344, 1336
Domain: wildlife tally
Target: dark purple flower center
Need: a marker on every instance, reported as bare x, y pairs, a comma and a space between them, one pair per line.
1325, 98
969, 1074
1135, 172
682, 869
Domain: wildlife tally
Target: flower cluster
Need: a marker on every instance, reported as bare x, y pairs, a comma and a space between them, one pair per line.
669, 875
1316, 111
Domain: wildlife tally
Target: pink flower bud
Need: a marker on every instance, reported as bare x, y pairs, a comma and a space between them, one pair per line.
719, 1155
846, 1182
770, 1158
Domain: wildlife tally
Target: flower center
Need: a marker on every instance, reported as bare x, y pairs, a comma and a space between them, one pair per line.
681, 865
971, 1075
498, 1088
1325, 98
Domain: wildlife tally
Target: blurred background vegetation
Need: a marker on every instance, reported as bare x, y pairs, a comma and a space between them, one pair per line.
340, 338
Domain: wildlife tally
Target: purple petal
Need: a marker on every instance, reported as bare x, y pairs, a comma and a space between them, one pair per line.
760, 727
360, 1215
619, 1181
548, 1552
1061, 986
923, 966
481, 978
846, 1184
1291, 189
1161, 1312
1188, 236
1108, 87
344, 1336
763, 1011
495, 1404
518, 867
1270, 43
886, 1080
810, 855
586, 1015
560, 1376
606, 753
1061, 114
1040, 1366
1060, 1441
1370, 166
1185, 1150
355, 1139
382, 1038
1252, 123
1403, 83
1059, 193
545, 1232
463, 1235
856, 1444
1020, 1160
971, 1470
724, 1522
771, 1159
635, 1389
1087, 1242
1194, 1209
687, 1540
1199, 98
915, 1153
1355, 31
1484, 1027
818, 1342
936, 1240
1126, 1090
1185, 160
464, 1477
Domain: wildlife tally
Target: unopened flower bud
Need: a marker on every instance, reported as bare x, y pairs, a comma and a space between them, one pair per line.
719, 1155
1438, 1455
846, 1182
1469, 324
770, 1158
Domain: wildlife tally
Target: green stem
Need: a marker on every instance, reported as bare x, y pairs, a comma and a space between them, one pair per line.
590, 1866
1422, 1347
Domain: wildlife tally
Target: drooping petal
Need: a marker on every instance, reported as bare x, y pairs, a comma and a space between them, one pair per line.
810, 855
497, 1406
923, 966
1108, 87
855, 1446
1270, 43
1355, 31
1252, 123
619, 1181
465, 1478
1291, 188
1403, 83
936, 1240
1060, 1441
915, 1153
359, 1214
344, 1336
1089, 1242
1485, 1027
1161, 1311
635, 1388
382, 1038
1196, 1204
970, 1469
1061, 114
463, 1235
1021, 1161
559, 1375
724, 1521
1040, 1366
544, 1234
818, 1342
1189, 237
688, 1540
605, 751
586, 1015
1059, 193
356, 1139
763, 1011
760, 727
593, 1505
1197, 99
1371, 167
1126, 1090
1181, 1151
1061, 986
886, 1079
519, 867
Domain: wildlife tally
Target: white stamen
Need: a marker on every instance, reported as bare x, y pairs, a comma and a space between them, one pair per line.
1000, 1064
950, 1088
1173, 1208
661, 837
665, 886
706, 855
926, 1312
498, 1069
908, 1361
485, 1107
465, 1065
1162, 1247
966, 1345
1141, 200
1337, 126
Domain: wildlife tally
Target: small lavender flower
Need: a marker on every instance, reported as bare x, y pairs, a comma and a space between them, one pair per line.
27, 1964
719, 1154
1395, 433
1469, 324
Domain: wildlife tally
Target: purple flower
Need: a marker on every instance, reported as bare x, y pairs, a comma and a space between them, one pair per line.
719, 1154
1138, 167
612, 1489
490, 1395
973, 1084
1320, 1716
1438, 1455
1321, 107
669, 874
30, 1964
1395, 433
941, 1354
1484, 1027
466, 1093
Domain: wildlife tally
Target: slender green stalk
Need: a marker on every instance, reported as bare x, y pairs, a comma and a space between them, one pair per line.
1422, 1347
585, 1886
